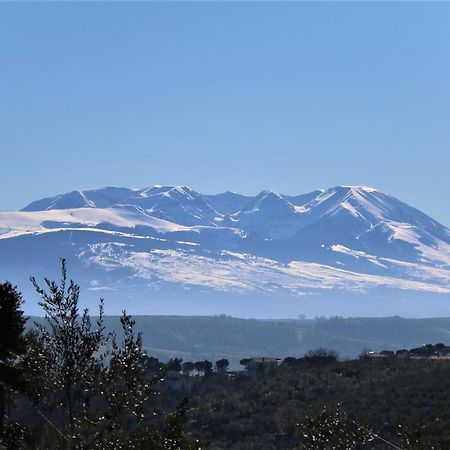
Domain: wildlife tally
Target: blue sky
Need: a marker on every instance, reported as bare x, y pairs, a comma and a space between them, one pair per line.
226, 96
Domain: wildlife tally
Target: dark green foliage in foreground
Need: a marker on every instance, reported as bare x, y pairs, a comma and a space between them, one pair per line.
404, 401
73, 357
332, 429
12, 323
12, 341
89, 390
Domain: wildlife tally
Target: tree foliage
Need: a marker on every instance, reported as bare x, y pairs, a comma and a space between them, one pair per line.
74, 355
12, 342
332, 430
91, 388
320, 356
222, 365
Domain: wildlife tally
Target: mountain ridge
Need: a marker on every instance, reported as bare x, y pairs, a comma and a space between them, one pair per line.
352, 239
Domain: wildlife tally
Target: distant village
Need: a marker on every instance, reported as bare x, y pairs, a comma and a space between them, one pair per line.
428, 351
187, 376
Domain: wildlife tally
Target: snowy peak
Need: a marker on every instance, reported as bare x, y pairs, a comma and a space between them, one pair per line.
99, 198
366, 204
75, 199
269, 202
228, 203
178, 204
268, 215
362, 203
342, 215
350, 238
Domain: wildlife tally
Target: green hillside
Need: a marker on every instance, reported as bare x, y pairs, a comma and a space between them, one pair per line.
215, 337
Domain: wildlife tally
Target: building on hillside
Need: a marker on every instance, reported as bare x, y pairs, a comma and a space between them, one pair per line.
262, 365
376, 355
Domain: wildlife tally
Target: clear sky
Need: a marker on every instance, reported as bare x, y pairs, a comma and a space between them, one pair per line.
226, 96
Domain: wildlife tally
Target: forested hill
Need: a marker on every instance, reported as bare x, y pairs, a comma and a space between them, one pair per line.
214, 337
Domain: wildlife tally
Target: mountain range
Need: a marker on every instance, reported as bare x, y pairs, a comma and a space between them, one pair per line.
347, 250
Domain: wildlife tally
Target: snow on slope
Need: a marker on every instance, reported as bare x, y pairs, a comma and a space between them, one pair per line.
347, 237
269, 215
98, 198
414, 271
178, 204
435, 250
243, 272
372, 207
14, 224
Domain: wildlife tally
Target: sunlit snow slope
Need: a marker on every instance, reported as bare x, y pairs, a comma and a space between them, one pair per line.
164, 241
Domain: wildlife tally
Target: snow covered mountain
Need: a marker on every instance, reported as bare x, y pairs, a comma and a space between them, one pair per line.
169, 249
